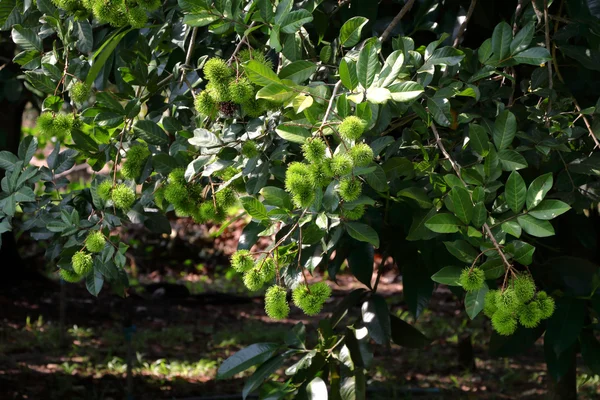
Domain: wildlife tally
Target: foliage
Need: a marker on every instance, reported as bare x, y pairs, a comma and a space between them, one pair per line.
452, 160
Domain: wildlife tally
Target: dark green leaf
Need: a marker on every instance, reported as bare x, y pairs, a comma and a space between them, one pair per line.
443, 223
474, 301
549, 209
515, 192
538, 190
350, 31
505, 129
448, 276
535, 227
376, 317
362, 232
406, 335
150, 132
246, 358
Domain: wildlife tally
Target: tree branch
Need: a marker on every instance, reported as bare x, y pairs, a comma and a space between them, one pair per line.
463, 26
239, 45
549, 64
330, 106
388, 31
188, 56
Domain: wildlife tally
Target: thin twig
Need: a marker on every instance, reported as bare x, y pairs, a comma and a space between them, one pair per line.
463, 26
380, 271
239, 45
188, 56
549, 64
330, 106
587, 123
513, 71
388, 31
456, 168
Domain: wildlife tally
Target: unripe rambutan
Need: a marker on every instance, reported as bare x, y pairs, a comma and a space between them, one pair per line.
489, 303
82, 263
352, 127
350, 189
320, 175
104, 189
204, 104
250, 149
256, 55
63, 124
175, 193
217, 71
314, 150
241, 91
80, 92
507, 300
267, 269
111, 11
177, 176
242, 261
546, 304
254, 108
276, 305
524, 287
339, 164
149, 5
472, 279
208, 212
311, 300
504, 322
123, 197
299, 182
45, 124
529, 314
159, 197
95, 242
226, 198
137, 17
354, 214
69, 276
253, 280
362, 154
226, 173
218, 92
135, 161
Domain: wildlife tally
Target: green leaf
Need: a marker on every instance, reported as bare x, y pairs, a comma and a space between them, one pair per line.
350, 32
376, 317
368, 65
277, 197
27, 148
406, 335
347, 302
474, 301
150, 132
505, 129
260, 74
479, 140
443, 223
26, 38
348, 74
254, 207
246, 358
535, 227
564, 326
41, 81
391, 69
523, 38
512, 228
493, 268
538, 190
263, 372
444, 56
419, 195
298, 71
6, 8
102, 54
317, 389
440, 110
360, 261
533, 56
295, 134
200, 19
377, 179
448, 276
94, 282
462, 250
362, 232
521, 252
511, 160
515, 192
463, 206
377, 95
204, 138
501, 40
291, 22
276, 92
549, 209
404, 92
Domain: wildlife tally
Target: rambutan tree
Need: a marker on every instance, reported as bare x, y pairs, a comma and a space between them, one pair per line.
437, 138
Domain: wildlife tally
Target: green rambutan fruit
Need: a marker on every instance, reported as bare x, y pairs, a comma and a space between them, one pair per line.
218, 92
276, 305
104, 189
241, 90
256, 55
339, 164
135, 161
311, 299
226, 198
507, 300
123, 197
204, 104
45, 123
226, 173
254, 108
250, 149
352, 127
159, 197
300, 183
314, 150
529, 314
362, 154
137, 17
175, 193
149, 5
242, 261
82, 263
63, 124
350, 189
111, 11
504, 322
253, 280
267, 269
489, 303
320, 175
217, 71
95, 241
524, 287
472, 279
69, 276
79, 92
546, 304
177, 176
353, 214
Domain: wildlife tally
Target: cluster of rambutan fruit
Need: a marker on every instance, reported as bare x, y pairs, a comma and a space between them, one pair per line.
83, 261
518, 302
115, 12
302, 178
229, 88
257, 273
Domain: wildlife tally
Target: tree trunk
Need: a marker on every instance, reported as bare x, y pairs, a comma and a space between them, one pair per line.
566, 387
